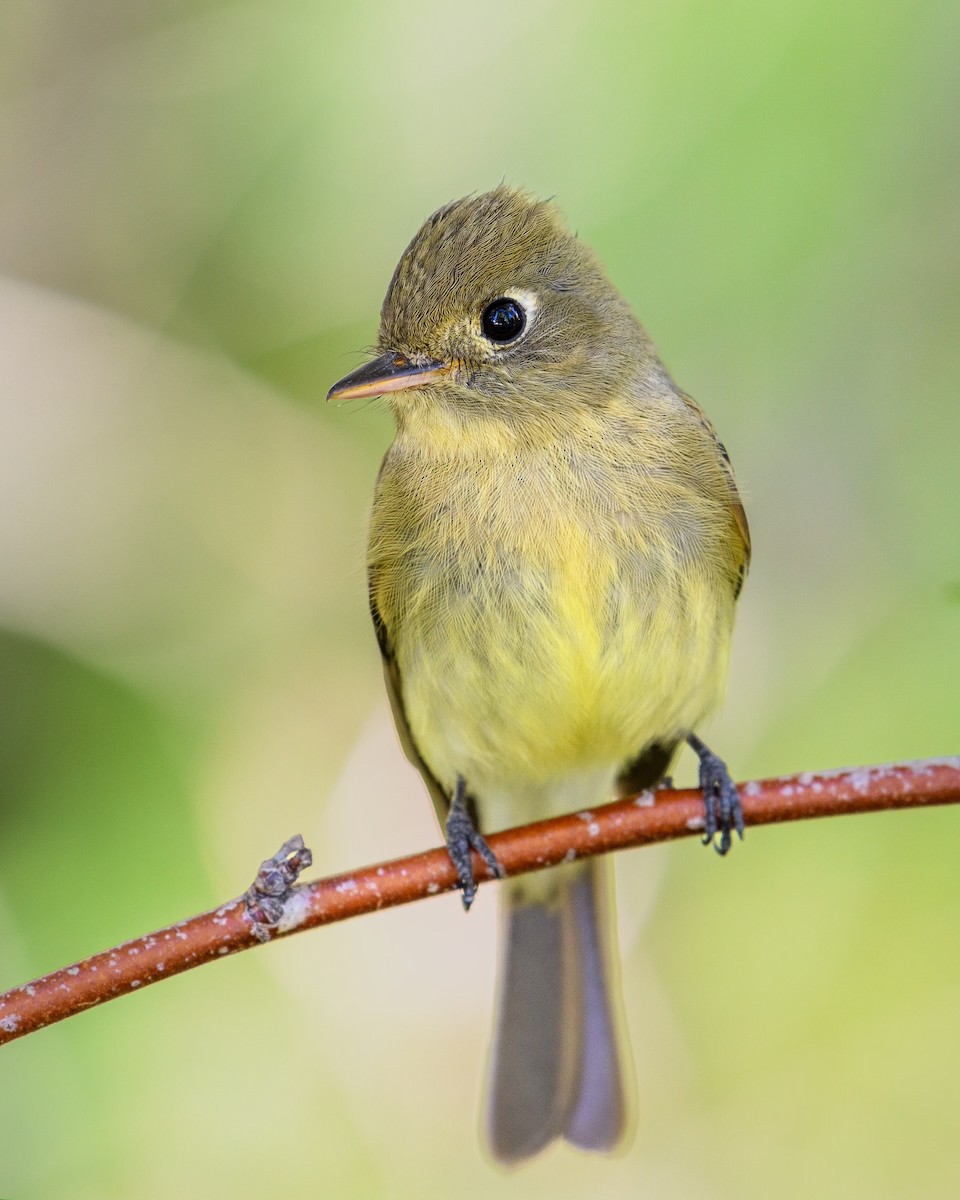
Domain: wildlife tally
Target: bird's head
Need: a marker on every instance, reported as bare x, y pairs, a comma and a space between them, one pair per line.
495, 307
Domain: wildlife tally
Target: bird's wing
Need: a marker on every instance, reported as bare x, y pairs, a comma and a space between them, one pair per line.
736, 504
391, 675
647, 769
652, 763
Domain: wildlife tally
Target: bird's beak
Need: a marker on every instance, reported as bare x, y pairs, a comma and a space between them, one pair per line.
391, 372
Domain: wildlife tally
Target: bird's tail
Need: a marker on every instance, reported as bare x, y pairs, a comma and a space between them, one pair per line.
556, 1066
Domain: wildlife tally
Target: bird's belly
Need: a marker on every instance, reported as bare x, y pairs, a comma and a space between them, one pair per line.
557, 668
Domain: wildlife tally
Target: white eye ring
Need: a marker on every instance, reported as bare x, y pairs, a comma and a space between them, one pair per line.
494, 321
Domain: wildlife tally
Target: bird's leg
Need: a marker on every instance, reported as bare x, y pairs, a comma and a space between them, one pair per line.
722, 803
462, 837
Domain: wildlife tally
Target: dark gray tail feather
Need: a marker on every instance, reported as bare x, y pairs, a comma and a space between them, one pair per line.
556, 1066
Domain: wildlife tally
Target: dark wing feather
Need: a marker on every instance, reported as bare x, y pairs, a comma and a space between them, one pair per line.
646, 770
391, 675
650, 765
737, 510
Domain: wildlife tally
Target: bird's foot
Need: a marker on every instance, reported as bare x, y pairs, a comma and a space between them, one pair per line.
721, 800
462, 837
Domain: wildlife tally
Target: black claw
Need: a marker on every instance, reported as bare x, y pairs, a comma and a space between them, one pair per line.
722, 811
462, 837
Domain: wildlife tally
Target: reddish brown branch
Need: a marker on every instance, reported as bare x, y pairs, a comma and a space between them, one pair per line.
648, 818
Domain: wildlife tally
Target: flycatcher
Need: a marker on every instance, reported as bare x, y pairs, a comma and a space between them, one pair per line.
556, 548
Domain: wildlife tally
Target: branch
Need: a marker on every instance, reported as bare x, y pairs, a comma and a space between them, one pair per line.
271, 908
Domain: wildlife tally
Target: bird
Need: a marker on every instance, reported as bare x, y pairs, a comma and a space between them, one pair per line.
556, 547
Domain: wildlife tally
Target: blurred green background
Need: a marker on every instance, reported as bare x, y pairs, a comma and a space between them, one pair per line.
200, 207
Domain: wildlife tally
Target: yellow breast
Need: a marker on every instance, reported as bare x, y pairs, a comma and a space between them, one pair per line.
548, 615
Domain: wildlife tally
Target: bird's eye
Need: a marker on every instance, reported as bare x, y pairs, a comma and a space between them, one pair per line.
503, 320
